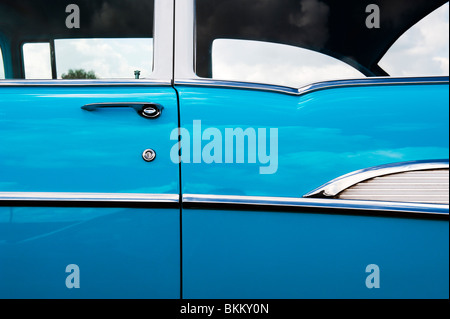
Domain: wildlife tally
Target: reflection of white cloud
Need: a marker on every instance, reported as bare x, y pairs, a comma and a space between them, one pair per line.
108, 58
444, 64
37, 63
273, 63
423, 50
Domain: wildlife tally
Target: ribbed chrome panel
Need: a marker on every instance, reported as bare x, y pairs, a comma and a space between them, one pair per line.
426, 186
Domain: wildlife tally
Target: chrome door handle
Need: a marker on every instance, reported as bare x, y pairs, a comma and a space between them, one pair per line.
146, 110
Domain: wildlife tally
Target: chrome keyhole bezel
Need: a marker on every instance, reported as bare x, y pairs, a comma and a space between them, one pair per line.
149, 155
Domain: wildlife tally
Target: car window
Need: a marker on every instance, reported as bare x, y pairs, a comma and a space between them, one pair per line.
423, 50
90, 59
273, 63
2, 69
78, 40
36, 60
298, 42
105, 58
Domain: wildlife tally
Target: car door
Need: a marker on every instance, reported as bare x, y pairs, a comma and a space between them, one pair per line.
89, 198
251, 151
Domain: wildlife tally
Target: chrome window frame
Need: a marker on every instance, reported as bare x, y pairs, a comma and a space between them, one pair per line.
314, 87
184, 40
163, 40
85, 83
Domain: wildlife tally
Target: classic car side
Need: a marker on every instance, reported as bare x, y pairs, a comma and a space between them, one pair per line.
195, 168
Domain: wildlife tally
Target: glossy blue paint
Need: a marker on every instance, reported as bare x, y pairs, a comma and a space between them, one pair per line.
247, 255
49, 144
321, 135
120, 252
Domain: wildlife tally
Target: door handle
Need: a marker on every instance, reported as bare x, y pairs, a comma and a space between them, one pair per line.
146, 110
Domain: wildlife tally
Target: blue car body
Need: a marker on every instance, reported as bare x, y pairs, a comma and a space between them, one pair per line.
75, 190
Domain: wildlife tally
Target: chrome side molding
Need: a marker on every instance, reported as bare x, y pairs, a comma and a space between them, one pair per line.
313, 205
229, 202
88, 199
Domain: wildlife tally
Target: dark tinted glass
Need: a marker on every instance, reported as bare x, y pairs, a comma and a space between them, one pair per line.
335, 28
26, 21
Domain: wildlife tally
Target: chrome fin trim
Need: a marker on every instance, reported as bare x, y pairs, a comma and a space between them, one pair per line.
338, 185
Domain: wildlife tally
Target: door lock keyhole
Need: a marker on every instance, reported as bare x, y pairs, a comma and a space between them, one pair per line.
149, 155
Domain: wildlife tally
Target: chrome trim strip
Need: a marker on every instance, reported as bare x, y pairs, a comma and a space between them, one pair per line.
55, 83
378, 81
373, 81
88, 197
236, 85
279, 203
340, 184
231, 202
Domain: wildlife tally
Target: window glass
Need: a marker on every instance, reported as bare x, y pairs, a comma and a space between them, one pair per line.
255, 61
106, 58
2, 69
423, 50
298, 42
111, 38
37, 63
